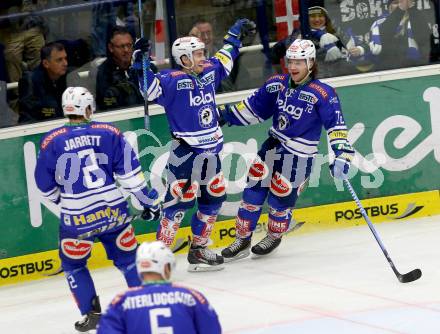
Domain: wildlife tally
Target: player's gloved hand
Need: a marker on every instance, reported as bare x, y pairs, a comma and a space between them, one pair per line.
240, 29
142, 47
223, 115
340, 167
152, 211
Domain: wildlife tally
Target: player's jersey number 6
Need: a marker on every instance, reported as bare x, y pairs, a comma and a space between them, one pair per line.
154, 320
92, 168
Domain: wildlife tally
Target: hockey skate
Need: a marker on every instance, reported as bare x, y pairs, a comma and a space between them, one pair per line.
91, 319
239, 249
201, 258
265, 246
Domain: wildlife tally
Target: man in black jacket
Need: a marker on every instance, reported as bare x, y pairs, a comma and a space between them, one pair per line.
116, 83
40, 91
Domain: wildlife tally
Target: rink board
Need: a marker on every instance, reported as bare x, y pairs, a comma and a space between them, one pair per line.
307, 220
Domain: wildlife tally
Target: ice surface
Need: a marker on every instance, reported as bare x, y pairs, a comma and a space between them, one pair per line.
330, 282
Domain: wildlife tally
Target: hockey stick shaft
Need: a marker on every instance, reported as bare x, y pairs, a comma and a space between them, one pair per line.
411, 276
104, 228
145, 67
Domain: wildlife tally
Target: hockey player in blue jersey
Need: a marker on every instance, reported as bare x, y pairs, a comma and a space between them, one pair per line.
158, 306
194, 168
299, 105
77, 167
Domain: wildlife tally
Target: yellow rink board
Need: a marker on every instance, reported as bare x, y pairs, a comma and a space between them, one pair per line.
308, 220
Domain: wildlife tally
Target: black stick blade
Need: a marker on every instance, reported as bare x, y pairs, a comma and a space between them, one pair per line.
411, 276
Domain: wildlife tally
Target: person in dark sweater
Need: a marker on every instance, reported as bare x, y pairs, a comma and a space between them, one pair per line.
116, 82
40, 90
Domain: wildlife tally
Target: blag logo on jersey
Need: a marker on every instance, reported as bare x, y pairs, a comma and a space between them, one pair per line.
206, 117
76, 249
283, 122
292, 110
195, 101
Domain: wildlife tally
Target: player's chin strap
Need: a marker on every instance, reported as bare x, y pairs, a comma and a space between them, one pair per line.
309, 71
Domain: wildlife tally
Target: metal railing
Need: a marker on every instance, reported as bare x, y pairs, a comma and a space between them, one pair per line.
85, 74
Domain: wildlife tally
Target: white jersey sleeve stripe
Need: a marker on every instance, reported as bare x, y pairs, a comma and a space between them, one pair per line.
129, 174
81, 203
90, 192
53, 195
94, 206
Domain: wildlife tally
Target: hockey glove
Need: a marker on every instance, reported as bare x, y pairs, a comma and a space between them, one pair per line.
223, 115
142, 47
152, 212
240, 29
341, 165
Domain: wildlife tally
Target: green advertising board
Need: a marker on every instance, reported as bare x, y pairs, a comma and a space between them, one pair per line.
394, 126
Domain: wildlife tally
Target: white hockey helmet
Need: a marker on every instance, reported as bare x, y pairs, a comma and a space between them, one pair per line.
152, 257
75, 101
301, 49
185, 46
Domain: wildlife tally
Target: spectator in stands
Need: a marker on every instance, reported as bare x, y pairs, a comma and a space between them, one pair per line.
105, 16
7, 116
401, 37
23, 38
116, 82
330, 46
203, 30
40, 91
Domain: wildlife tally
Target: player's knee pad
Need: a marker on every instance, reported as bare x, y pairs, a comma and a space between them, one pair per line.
74, 252
214, 191
202, 222
169, 224
279, 221
185, 198
282, 191
258, 172
246, 219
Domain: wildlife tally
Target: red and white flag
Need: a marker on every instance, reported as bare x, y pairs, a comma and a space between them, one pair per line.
286, 17
159, 33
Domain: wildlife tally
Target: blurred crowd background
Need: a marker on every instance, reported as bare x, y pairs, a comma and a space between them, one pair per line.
48, 45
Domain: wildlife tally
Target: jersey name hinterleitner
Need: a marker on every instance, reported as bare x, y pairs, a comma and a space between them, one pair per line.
161, 307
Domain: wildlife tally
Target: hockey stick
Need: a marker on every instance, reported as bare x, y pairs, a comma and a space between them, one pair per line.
145, 67
104, 228
405, 278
